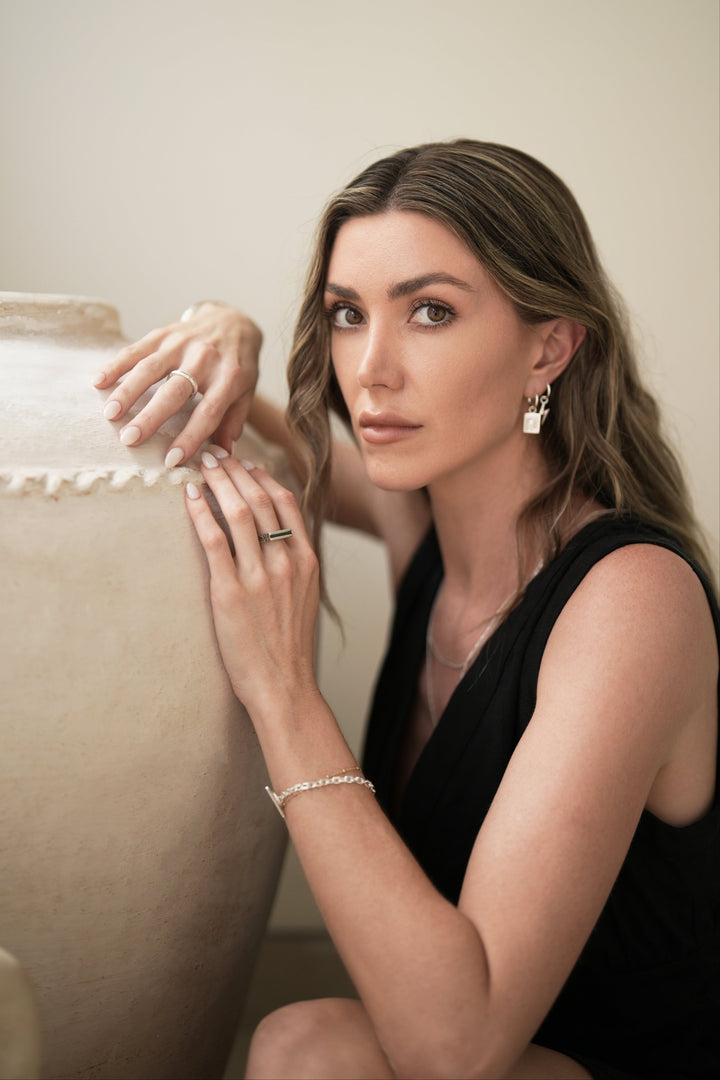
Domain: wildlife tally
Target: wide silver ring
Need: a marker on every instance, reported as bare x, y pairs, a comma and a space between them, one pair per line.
279, 534
185, 375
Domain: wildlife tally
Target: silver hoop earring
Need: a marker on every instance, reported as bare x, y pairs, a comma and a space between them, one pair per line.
536, 414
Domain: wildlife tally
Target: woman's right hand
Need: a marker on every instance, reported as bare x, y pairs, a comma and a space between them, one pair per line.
219, 347
264, 595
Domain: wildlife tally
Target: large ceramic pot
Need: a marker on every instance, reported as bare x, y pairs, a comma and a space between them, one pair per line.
138, 851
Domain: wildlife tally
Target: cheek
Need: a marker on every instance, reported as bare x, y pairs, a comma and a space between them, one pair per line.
488, 392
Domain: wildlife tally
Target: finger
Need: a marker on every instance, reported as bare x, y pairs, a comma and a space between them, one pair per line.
128, 357
246, 507
147, 371
233, 422
285, 505
297, 551
167, 400
210, 535
175, 351
208, 417
274, 506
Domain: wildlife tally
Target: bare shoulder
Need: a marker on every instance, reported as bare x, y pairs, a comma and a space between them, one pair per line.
649, 562
635, 651
641, 603
644, 582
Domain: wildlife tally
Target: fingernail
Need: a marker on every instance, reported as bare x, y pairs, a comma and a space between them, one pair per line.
248, 465
130, 435
208, 460
174, 457
218, 451
99, 378
112, 409
192, 491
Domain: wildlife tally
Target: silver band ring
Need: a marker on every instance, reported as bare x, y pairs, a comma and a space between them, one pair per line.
185, 375
280, 534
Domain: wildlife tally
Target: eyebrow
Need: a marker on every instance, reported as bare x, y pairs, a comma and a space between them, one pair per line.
404, 288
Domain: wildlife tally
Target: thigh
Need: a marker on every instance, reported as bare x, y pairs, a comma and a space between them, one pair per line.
539, 1063
327, 1039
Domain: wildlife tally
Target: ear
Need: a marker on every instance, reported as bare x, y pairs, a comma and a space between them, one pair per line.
561, 338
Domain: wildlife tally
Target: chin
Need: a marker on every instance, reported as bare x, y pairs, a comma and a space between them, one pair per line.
388, 479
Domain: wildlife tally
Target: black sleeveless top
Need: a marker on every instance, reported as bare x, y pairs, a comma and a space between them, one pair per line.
644, 997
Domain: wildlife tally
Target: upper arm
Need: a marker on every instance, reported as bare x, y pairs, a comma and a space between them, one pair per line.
630, 663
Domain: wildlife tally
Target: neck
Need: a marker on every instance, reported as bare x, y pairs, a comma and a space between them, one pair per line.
476, 516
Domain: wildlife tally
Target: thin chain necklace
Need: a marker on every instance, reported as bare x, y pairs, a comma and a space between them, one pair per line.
464, 664
431, 652
490, 624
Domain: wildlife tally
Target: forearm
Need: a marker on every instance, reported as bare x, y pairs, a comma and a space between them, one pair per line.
417, 962
269, 421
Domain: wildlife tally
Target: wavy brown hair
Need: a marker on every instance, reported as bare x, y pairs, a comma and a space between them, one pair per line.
604, 437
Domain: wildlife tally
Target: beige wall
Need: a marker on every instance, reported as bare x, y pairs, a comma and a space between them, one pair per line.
155, 153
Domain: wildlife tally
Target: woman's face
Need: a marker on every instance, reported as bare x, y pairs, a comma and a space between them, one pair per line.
431, 358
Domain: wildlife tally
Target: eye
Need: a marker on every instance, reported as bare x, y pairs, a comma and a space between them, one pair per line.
342, 316
431, 313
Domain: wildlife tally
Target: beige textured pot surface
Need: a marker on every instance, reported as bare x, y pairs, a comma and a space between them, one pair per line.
139, 852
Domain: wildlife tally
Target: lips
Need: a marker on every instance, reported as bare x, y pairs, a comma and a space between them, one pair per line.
385, 427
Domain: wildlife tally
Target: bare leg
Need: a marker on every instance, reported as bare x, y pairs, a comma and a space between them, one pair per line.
333, 1039
327, 1039
538, 1063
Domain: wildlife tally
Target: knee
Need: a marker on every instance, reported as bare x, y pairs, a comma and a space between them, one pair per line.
290, 1042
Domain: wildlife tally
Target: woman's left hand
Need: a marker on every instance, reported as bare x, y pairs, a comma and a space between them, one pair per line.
264, 598
217, 347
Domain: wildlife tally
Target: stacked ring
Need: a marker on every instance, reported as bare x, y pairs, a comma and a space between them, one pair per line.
279, 534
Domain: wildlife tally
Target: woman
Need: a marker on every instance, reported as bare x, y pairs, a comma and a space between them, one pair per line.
534, 890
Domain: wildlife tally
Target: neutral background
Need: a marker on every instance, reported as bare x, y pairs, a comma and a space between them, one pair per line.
163, 151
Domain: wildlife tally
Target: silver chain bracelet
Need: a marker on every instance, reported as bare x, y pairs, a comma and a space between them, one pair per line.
309, 785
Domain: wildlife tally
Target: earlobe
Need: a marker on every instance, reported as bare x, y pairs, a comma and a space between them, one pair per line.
561, 340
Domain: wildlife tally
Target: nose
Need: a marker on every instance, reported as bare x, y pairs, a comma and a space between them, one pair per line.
381, 361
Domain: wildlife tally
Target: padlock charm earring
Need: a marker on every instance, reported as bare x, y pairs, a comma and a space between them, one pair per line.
536, 414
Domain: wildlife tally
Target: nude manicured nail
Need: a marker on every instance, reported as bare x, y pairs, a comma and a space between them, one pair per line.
218, 451
130, 435
208, 460
99, 378
173, 458
248, 465
112, 409
192, 491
